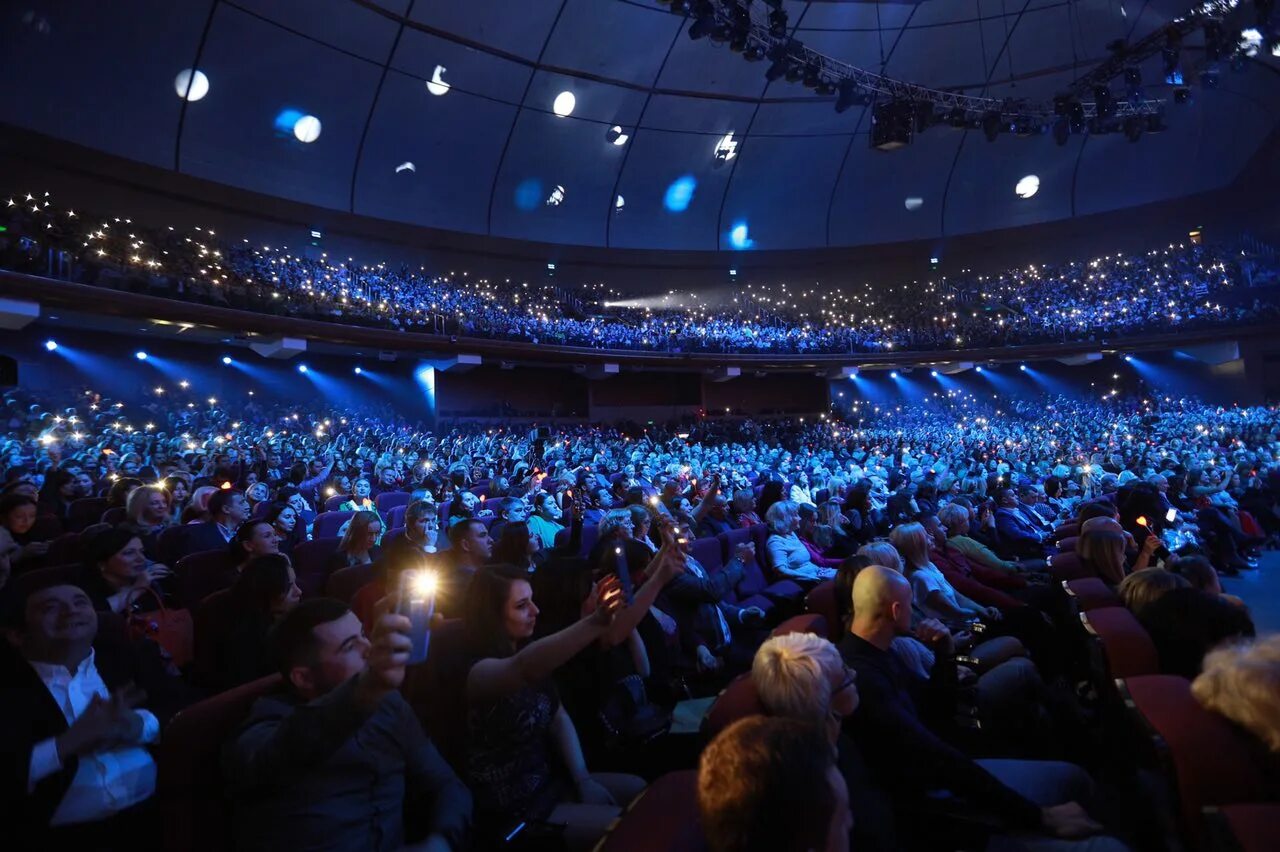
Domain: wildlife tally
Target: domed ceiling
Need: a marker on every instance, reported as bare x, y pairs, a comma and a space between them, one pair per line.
443, 113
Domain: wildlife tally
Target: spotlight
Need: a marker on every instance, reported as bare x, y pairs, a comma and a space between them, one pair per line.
1022, 367
226, 359
847, 95
779, 61
1128, 358
1133, 75
933, 373
140, 355
358, 371
302, 368
795, 72
1209, 78
977, 369
894, 374
51, 345
991, 126
615, 136
1105, 101
778, 24
812, 76
957, 118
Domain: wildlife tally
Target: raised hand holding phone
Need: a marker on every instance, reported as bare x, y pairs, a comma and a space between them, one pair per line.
416, 601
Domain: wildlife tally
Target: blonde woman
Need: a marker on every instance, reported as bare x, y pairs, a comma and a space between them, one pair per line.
1241, 681
935, 596
790, 557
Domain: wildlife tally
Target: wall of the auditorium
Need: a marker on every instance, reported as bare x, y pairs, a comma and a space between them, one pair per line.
95, 181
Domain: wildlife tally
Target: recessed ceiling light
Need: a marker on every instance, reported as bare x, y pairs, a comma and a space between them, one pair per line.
616, 136
619, 203
406, 166
1027, 187
307, 129
564, 104
556, 198
913, 203
191, 84
436, 85
726, 149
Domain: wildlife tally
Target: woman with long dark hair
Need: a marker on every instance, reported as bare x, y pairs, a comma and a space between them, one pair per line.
236, 652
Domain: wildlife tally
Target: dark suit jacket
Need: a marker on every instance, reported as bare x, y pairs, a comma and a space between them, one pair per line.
29, 715
692, 601
202, 537
1017, 535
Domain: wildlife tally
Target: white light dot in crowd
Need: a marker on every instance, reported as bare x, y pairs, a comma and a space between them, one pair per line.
436, 85
564, 104
307, 129
913, 203
1027, 187
191, 84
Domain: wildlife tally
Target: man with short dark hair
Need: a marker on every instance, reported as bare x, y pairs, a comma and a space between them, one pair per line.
78, 706
227, 511
336, 759
470, 548
772, 783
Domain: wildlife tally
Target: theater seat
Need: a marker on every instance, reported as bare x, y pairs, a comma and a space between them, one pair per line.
1206, 759
730, 540
345, 582
1090, 593
199, 575
310, 563
1066, 530
810, 622
189, 786
395, 517
736, 701
664, 816
85, 511
1127, 650
333, 503
171, 544
1068, 566
1068, 544
822, 600
328, 523
114, 515
64, 550
707, 552
388, 500
211, 624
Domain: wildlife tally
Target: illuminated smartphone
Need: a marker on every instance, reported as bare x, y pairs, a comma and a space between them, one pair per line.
417, 602
1171, 516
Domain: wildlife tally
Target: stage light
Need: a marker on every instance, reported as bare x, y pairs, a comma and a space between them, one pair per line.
191, 84
894, 374
564, 104
680, 193
226, 359
1027, 187
302, 368
933, 373
436, 85
977, 369
848, 94
140, 355
778, 62
1022, 367
358, 371
1128, 358
51, 345
307, 129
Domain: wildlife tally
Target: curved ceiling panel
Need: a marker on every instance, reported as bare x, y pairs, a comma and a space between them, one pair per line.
429, 159
464, 91
242, 133
871, 200
778, 195
86, 74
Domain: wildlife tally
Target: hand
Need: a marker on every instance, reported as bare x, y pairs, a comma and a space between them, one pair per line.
155, 571
1068, 821
105, 724
388, 654
707, 661
991, 614
666, 622
591, 792
1151, 545
605, 600
934, 634
752, 614
746, 552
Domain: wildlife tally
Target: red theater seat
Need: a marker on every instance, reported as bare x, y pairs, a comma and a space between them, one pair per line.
810, 622
171, 544
1247, 828
1126, 648
199, 575
85, 511
395, 517
1068, 566
1091, 593
736, 701
822, 600
189, 786
1068, 544
664, 816
1207, 759
114, 515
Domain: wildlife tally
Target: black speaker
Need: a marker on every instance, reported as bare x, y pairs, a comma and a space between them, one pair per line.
8, 372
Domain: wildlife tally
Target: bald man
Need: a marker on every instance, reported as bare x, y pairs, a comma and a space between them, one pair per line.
1038, 800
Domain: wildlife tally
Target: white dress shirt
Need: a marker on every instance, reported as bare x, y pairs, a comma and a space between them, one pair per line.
106, 782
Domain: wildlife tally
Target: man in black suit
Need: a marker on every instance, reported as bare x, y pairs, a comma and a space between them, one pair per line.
79, 703
227, 511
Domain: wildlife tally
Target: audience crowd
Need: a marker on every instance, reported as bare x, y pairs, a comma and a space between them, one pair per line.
1171, 288
476, 635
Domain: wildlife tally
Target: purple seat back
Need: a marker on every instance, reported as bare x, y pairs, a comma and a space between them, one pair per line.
310, 563
388, 500
328, 523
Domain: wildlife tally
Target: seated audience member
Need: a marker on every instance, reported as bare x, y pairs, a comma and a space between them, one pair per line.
1102, 548
744, 509
510, 510
544, 522
79, 704
1018, 534
18, 515
1200, 573
1032, 798
1241, 682
801, 676
116, 574
178, 486
807, 532
791, 559
358, 500
359, 544
716, 520
147, 513
256, 492
714, 633
935, 596
253, 538
421, 529
519, 547
524, 759
197, 509
641, 527
227, 511
1184, 622
881, 552
289, 529
470, 548
292, 769
773, 784
264, 592
956, 519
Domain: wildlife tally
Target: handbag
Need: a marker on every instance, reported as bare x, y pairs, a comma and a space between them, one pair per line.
172, 629
627, 714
